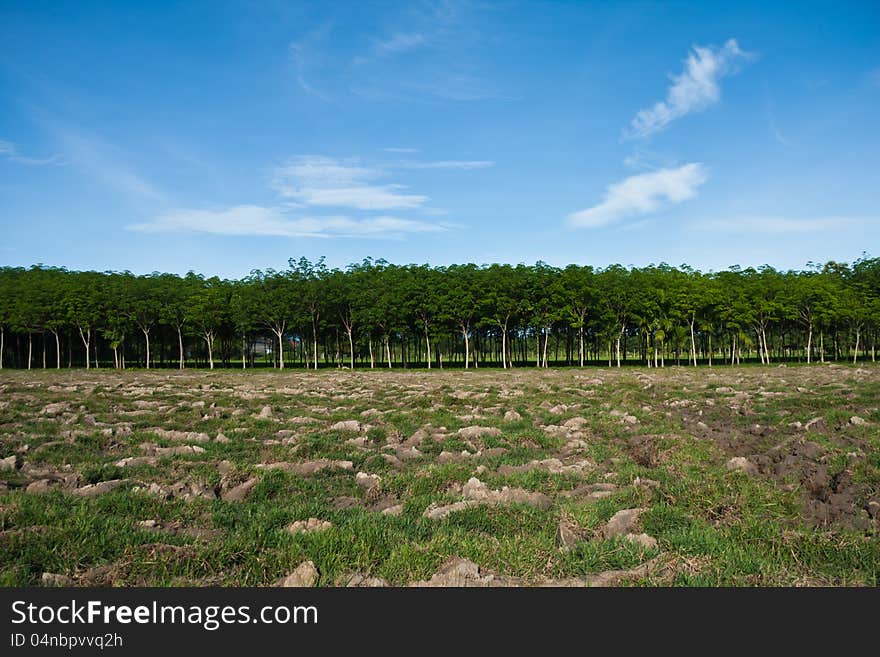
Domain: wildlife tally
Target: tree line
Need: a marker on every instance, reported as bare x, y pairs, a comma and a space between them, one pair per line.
376, 314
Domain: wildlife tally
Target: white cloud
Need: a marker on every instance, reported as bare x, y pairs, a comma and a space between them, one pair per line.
642, 194
106, 163
305, 58
322, 181
400, 42
10, 152
449, 164
693, 90
401, 150
778, 225
265, 221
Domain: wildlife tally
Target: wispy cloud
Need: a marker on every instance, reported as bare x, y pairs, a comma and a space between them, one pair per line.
10, 152
779, 225
692, 90
441, 35
401, 150
305, 58
313, 182
770, 112
643, 159
267, 221
105, 162
400, 42
641, 195
449, 164
322, 181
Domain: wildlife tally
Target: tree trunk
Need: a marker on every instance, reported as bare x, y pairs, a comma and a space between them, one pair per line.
856, 350
180, 346
315, 344
693, 343
370, 343
619, 335
31, 349
427, 347
243, 351
209, 341
351, 347
581, 343
766, 346
147, 340
86, 338
280, 335
97, 364
809, 343
2, 344
467, 346
546, 340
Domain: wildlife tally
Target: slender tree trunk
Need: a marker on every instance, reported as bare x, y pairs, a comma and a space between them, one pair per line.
280, 335
115, 356
243, 351
351, 347
856, 350
147, 340
315, 343
31, 349
581, 343
209, 342
809, 343
86, 338
370, 344
821, 346
619, 336
710, 348
546, 340
388, 349
467, 346
693, 343
427, 347
97, 364
766, 346
180, 346
2, 344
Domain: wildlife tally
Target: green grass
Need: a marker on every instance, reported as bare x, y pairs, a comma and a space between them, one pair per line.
714, 526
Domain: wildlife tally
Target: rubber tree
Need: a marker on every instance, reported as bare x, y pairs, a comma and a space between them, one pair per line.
209, 303
311, 284
272, 301
145, 307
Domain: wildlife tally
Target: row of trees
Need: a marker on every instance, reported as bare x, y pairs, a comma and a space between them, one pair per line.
377, 314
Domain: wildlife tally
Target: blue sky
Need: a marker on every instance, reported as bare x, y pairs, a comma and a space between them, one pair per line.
225, 136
